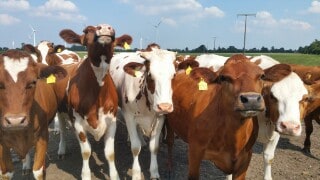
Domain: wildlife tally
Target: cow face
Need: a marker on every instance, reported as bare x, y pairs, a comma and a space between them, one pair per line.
158, 72
18, 81
242, 85
98, 40
45, 48
285, 100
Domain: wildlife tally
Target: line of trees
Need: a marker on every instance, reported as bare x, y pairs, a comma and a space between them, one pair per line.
313, 48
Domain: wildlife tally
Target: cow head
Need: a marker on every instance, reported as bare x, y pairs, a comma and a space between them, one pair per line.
157, 72
19, 74
242, 85
284, 99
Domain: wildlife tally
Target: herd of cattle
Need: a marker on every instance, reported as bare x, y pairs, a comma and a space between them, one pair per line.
219, 105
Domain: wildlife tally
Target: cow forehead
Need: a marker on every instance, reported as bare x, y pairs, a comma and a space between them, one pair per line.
291, 87
14, 66
242, 69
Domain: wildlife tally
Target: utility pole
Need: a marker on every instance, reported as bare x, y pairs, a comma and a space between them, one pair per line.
214, 43
245, 28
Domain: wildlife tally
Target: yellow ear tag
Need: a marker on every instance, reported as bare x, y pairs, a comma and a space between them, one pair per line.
188, 70
51, 79
137, 73
59, 50
203, 86
126, 46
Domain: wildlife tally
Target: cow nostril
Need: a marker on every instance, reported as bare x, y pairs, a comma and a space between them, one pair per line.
7, 120
297, 127
23, 120
259, 98
283, 126
243, 99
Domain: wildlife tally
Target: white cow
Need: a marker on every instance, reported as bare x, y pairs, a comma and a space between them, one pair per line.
143, 81
283, 113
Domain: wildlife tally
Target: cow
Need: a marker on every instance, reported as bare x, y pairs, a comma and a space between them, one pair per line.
310, 76
51, 54
91, 98
286, 100
143, 81
27, 104
218, 119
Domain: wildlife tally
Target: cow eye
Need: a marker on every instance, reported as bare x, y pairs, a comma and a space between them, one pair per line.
31, 85
2, 86
223, 78
263, 77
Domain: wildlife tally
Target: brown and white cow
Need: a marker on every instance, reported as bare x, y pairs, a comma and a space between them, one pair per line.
27, 105
50, 54
91, 96
143, 80
310, 76
217, 122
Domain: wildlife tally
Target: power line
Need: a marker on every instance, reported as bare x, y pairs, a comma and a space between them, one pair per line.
245, 28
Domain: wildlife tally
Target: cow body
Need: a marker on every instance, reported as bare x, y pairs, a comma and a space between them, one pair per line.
27, 104
143, 81
91, 97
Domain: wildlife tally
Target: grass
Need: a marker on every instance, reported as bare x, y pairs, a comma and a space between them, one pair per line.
289, 58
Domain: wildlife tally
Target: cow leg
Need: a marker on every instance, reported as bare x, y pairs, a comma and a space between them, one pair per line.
6, 164
309, 130
195, 156
241, 165
84, 146
40, 156
170, 142
26, 164
268, 154
56, 124
154, 147
109, 147
62, 117
135, 144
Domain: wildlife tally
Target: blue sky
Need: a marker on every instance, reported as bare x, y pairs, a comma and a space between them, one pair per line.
183, 23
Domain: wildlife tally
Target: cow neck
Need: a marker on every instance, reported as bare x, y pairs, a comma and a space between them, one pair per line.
144, 91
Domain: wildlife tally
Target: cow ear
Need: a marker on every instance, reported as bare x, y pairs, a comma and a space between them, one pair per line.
57, 71
33, 51
59, 48
188, 64
70, 36
134, 69
123, 41
203, 73
277, 72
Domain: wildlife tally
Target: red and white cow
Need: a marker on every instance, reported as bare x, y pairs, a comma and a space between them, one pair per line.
53, 55
284, 106
216, 119
27, 104
143, 81
91, 96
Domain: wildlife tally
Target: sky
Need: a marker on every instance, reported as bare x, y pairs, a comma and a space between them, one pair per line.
170, 23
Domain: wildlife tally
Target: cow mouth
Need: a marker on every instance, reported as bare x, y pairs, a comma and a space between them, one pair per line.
105, 39
250, 113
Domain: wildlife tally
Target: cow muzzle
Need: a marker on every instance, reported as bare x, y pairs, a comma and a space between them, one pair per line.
105, 34
289, 128
15, 122
165, 108
250, 104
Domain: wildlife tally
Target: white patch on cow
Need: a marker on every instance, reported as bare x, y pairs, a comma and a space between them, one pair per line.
69, 60
26, 162
7, 175
14, 67
38, 174
43, 48
101, 71
289, 92
211, 60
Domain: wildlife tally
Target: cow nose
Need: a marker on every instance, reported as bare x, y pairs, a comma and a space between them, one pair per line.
105, 29
290, 128
252, 101
13, 121
165, 107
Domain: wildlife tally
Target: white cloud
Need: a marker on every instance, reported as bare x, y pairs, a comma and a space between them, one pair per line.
6, 19
59, 9
294, 24
265, 19
169, 21
180, 8
14, 5
315, 7
59, 5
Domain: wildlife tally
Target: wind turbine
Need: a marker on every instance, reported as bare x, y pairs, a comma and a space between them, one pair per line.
34, 35
157, 26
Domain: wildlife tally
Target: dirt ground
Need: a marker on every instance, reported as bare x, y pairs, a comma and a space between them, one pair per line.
289, 162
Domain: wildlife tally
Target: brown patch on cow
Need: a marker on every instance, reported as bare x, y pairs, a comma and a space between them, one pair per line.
152, 46
117, 67
135, 152
86, 155
82, 137
111, 157
188, 63
236, 59
132, 67
277, 72
203, 73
